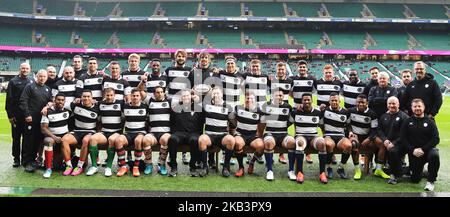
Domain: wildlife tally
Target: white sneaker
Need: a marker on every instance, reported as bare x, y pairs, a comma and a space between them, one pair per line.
269, 175
108, 172
91, 171
429, 186
47, 173
292, 176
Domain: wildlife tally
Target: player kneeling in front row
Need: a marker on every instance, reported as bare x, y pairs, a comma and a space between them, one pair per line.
135, 115
159, 109
216, 131
54, 126
276, 118
306, 124
363, 134
86, 118
247, 119
112, 126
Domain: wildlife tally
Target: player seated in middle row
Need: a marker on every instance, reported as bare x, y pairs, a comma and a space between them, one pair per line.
276, 119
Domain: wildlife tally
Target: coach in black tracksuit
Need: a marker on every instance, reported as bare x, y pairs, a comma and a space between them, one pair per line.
388, 130
419, 135
426, 88
34, 97
15, 115
187, 121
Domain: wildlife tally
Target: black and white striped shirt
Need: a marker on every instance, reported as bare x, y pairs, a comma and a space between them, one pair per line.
301, 85
135, 118
284, 85
94, 83
216, 118
133, 77
306, 122
159, 116
111, 116
325, 88
121, 87
57, 121
351, 92
178, 79
85, 117
276, 117
155, 81
70, 89
231, 84
259, 85
335, 122
363, 123
247, 120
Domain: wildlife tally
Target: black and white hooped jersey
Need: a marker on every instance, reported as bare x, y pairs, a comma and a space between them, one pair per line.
231, 84
247, 120
335, 122
284, 85
159, 116
155, 81
135, 118
306, 122
133, 77
70, 89
363, 122
178, 79
301, 85
258, 84
94, 83
351, 92
277, 117
121, 87
111, 116
57, 121
325, 88
216, 118
85, 117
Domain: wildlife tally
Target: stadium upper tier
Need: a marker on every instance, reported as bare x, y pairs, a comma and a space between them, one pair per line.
223, 9
77, 37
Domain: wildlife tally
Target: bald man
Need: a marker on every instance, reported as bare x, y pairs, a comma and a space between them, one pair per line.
15, 115
388, 130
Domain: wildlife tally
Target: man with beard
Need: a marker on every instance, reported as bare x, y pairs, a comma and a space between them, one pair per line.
406, 79
424, 87
15, 115
178, 79
420, 136
373, 79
